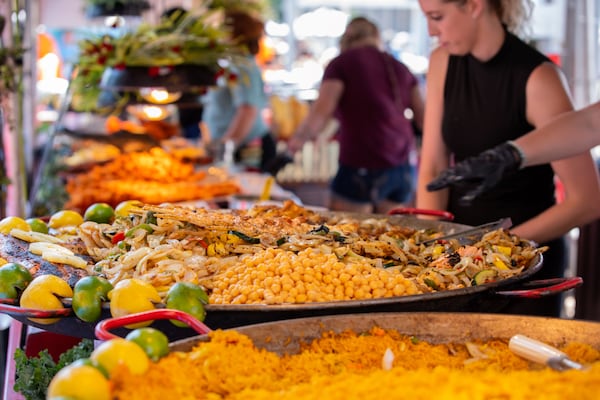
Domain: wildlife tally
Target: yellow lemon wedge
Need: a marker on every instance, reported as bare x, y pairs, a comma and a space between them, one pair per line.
43, 293
131, 296
9, 223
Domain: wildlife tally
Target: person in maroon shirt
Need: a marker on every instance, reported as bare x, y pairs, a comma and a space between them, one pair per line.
369, 92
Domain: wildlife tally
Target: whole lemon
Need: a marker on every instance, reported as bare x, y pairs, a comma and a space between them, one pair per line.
64, 218
82, 382
123, 208
131, 296
121, 352
9, 223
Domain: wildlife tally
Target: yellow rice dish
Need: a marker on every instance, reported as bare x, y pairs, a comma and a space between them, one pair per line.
375, 365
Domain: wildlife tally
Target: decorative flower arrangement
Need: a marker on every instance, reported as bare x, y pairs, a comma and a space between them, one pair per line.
200, 39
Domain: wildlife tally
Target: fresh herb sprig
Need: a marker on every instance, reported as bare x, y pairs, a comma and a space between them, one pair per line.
33, 374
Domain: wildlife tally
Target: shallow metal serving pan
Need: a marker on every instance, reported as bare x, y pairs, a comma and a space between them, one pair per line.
434, 327
491, 297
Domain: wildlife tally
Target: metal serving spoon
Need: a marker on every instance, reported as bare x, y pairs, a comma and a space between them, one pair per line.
474, 234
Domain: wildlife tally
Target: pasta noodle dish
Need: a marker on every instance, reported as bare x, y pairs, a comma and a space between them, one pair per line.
290, 254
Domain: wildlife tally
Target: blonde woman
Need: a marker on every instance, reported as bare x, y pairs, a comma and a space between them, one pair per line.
486, 86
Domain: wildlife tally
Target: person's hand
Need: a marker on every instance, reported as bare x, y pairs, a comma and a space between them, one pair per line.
215, 149
485, 170
295, 143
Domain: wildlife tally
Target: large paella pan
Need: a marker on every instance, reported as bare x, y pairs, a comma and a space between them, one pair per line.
350, 264
370, 356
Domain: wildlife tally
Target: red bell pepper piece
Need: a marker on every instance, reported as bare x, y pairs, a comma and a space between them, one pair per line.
119, 236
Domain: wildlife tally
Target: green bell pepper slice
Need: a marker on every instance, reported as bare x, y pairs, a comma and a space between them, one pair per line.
148, 228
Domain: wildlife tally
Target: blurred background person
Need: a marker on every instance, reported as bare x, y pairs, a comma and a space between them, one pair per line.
232, 109
369, 92
486, 86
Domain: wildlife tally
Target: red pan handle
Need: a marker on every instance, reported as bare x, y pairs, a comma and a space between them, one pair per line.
557, 285
34, 312
103, 327
444, 215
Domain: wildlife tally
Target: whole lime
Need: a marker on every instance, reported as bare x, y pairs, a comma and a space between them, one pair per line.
14, 278
154, 342
37, 225
101, 213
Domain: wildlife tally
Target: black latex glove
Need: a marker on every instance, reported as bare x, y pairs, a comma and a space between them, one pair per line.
484, 170
277, 163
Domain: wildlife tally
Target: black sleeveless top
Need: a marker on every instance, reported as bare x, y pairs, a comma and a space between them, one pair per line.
485, 105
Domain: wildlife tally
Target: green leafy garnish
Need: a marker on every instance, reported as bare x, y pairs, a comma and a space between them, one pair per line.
33, 374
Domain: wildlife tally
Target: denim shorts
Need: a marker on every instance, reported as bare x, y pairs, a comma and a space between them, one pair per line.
397, 184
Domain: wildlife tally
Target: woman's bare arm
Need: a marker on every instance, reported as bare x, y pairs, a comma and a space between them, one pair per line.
566, 136
547, 98
434, 156
417, 106
320, 112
